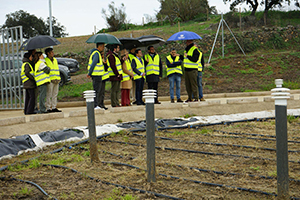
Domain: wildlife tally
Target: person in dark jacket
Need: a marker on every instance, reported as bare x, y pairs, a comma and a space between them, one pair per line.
29, 84
153, 70
115, 74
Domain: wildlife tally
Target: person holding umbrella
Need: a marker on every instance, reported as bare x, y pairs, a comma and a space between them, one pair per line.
138, 67
153, 70
53, 87
29, 84
190, 64
115, 73
95, 71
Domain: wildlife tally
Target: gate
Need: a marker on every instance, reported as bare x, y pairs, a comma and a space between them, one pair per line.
10, 68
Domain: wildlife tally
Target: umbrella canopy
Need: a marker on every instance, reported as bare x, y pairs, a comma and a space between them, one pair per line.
38, 42
129, 43
148, 40
103, 38
184, 35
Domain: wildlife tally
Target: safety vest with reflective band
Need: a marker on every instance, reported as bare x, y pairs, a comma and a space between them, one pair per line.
99, 68
54, 70
40, 76
173, 70
153, 65
140, 67
130, 56
118, 66
200, 67
105, 76
126, 77
187, 63
23, 76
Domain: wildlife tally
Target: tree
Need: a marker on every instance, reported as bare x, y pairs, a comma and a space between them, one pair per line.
32, 25
253, 4
183, 10
57, 28
117, 17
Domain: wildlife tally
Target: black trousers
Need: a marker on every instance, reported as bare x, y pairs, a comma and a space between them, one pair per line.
29, 101
97, 82
154, 86
139, 86
102, 94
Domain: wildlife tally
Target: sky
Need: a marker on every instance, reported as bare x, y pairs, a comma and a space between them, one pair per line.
81, 16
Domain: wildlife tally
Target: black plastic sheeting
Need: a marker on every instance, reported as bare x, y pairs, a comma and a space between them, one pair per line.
13, 146
160, 123
23, 142
54, 136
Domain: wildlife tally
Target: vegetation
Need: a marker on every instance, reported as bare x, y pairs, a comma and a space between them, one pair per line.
32, 25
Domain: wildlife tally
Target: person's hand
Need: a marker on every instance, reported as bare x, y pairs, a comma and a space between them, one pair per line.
104, 61
88, 76
144, 74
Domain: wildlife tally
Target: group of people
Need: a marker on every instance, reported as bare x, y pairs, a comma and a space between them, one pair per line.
40, 77
129, 71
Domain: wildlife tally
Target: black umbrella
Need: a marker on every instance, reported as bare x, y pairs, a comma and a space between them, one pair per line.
130, 43
148, 40
38, 42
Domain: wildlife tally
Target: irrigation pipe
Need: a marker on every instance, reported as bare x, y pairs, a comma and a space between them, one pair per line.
114, 184
202, 182
206, 170
194, 151
29, 182
216, 144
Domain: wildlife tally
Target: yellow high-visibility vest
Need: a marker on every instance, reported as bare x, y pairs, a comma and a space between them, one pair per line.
187, 63
23, 76
118, 66
153, 65
40, 76
173, 70
140, 66
126, 77
54, 69
200, 67
99, 68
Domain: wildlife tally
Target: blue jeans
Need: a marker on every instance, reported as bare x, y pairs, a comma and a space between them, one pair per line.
177, 79
199, 81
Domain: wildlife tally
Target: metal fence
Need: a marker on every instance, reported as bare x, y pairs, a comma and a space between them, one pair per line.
10, 65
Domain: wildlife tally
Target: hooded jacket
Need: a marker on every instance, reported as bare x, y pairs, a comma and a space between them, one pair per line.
30, 83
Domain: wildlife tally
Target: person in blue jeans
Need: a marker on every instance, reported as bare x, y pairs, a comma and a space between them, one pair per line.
174, 73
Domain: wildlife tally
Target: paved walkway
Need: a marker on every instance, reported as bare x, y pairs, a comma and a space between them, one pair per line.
14, 122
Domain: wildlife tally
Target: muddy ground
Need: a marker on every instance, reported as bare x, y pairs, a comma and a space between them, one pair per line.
213, 162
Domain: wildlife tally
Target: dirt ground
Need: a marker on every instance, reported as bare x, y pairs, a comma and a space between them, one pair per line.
213, 162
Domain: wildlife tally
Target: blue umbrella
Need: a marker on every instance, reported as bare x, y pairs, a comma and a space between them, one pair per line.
184, 35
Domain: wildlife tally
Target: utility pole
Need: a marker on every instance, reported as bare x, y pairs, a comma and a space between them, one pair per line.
50, 18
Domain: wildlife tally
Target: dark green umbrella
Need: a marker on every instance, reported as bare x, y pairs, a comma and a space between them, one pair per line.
103, 38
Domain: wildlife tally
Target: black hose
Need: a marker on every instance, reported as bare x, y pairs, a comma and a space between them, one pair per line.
29, 182
194, 151
114, 184
202, 182
216, 144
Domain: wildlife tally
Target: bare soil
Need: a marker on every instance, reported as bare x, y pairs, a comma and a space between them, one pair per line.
213, 148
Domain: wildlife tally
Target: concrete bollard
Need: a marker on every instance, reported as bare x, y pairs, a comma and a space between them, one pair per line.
149, 96
281, 95
89, 95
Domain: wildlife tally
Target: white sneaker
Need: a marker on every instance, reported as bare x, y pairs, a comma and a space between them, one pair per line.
97, 108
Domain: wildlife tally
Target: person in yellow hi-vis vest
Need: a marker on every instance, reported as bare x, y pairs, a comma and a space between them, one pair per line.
41, 75
153, 70
126, 83
131, 55
199, 79
115, 73
105, 77
190, 64
96, 71
138, 67
27, 77
53, 87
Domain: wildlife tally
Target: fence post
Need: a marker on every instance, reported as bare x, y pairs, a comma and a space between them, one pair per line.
89, 95
281, 95
149, 96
